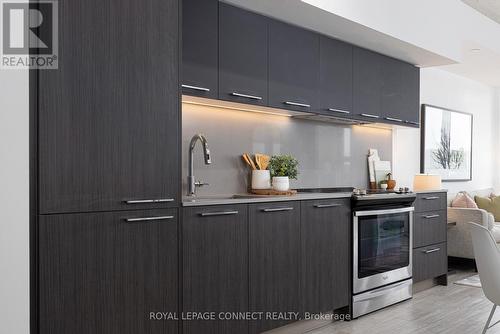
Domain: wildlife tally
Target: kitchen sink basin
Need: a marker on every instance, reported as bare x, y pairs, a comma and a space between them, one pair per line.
223, 197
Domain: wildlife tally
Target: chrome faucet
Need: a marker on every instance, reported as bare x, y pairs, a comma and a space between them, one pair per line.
192, 183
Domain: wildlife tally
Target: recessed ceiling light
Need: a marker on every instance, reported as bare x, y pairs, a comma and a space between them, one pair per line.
475, 50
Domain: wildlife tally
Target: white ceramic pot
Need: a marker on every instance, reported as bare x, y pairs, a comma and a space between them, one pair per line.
281, 183
261, 179
383, 186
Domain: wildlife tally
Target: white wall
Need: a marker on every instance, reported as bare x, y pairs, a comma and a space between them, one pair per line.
444, 89
14, 202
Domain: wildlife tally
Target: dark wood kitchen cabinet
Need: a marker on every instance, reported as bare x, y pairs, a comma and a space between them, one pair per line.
243, 45
274, 244
335, 84
400, 92
430, 259
108, 118
325, 255
200, 47
102, 274
293, 67
367, 85
429, 262
429, 228
215, 266
385, 89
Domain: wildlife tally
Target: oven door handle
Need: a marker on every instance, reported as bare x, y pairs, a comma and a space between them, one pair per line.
383, 212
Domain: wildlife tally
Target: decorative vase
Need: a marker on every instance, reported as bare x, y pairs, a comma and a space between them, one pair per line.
261, 179
391, 184
281, 183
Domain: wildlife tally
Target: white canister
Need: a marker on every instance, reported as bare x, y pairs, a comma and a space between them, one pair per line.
281, 183
261, 179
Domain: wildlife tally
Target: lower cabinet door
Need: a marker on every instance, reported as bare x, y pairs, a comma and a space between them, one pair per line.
325, 244
429, 262
429, 228
215, 269
108, 273
274, 263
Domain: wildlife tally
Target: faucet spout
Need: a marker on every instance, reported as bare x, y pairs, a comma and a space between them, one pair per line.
192, 183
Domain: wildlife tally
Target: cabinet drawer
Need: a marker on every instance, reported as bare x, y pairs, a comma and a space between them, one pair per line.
429, 228
429, 262
430, 202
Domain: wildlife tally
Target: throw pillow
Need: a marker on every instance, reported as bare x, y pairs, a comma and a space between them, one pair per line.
463, 200
491, 205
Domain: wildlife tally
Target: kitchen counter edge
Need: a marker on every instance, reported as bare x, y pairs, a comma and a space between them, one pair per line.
218, 200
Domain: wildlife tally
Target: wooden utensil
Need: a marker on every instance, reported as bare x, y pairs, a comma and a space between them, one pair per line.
258, 161
264, 161
249, 161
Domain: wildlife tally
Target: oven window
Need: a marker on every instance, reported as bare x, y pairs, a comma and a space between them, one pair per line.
383, 243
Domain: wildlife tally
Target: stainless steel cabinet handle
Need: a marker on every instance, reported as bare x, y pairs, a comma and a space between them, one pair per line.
277, 209
414, 123
219, 213
146, 219
339, 110
296, 104
430, 216
320, 206
370, 116
393, 119
202, 89
431, 198
142, 201
252, 97
431, 250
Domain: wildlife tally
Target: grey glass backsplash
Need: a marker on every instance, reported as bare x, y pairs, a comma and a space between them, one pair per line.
330, 155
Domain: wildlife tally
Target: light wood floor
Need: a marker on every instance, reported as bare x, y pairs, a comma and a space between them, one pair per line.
441, 309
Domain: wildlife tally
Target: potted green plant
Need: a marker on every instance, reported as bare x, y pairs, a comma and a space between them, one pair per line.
283, 168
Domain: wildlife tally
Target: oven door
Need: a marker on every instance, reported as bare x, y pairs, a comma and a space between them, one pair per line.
382, 244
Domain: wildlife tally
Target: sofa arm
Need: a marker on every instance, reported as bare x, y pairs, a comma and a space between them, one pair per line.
465, 215
459, 238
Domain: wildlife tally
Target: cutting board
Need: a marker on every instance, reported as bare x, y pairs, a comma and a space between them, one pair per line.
272, 192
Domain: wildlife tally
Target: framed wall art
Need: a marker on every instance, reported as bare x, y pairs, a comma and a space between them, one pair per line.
446, 147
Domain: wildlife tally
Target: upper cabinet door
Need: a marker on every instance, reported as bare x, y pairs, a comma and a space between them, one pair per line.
400, 92
199, 47
335, 88
243, 44
108, 118
368, 83
293, 67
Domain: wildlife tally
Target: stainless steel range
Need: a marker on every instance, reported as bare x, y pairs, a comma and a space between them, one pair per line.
382, 249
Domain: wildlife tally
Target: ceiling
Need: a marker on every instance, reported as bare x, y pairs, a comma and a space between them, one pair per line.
489, 8
453, 35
